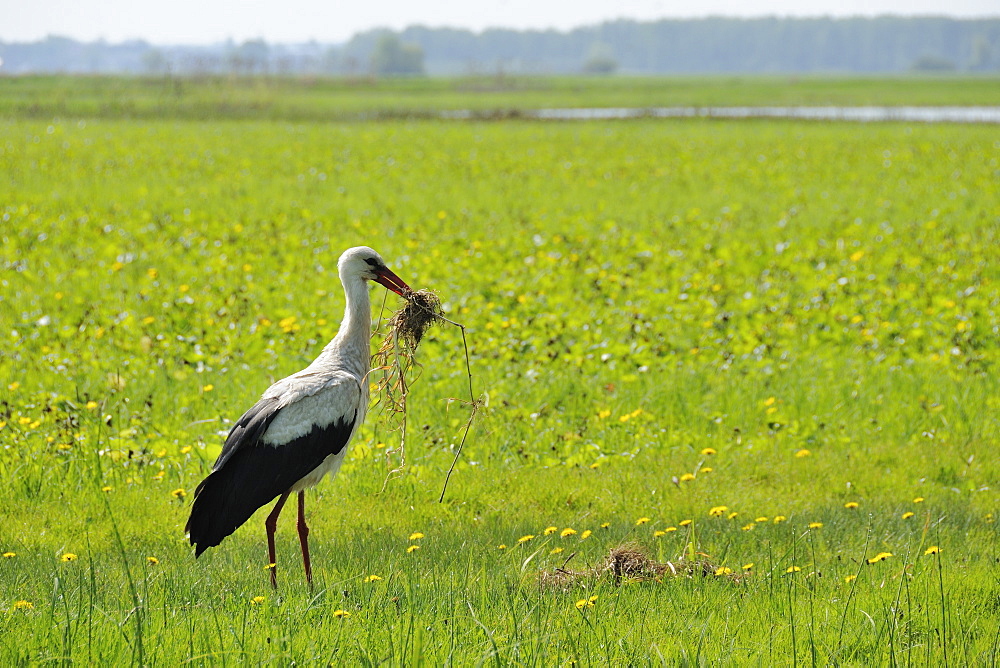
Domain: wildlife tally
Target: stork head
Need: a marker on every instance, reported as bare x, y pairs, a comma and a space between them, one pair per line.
364, 263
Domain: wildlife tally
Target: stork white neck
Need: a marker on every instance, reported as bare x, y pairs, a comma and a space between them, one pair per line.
350, 348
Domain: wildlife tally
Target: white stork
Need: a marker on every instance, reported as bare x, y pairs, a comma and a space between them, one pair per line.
299, 430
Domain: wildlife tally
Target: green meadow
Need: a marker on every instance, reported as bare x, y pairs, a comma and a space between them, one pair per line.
763, 351
323, 99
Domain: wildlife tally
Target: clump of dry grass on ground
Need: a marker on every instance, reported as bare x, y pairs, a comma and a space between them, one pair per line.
627, 563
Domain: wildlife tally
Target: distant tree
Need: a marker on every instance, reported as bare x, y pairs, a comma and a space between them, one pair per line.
393, 57
250, 57
933, 64
982, 54
600, 59
154, 62
330, 63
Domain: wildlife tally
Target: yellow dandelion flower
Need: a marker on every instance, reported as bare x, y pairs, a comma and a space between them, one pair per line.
341, 614
989, 518
270, 567
723, 570
733, 515
762, 518
106, 488
685, 523
881, 556
585, 603
257, 600
708, 451
550, 530
586, 534
605, 525
69, 556
412, 548
907, 515
416, 535
23, 605
13, 386
669, 529
91, 405
641, 520
567, 532
851, 505
919, 499
186, 449
687, 477
850, 578
178, 493
152, 560
792, 569
373, 578
769, 401
717, 511
705, 469
556, 550
525, 539
748, 567
159, 475
603, 414
779, 518
207, 388
658, 533
749, 527
802, 453
501, 546
815, 525
933, 549
9, 555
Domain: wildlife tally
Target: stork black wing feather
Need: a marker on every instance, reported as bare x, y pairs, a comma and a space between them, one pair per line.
250, 473
249, 429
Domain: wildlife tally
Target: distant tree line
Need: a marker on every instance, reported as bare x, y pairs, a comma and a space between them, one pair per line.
887, 44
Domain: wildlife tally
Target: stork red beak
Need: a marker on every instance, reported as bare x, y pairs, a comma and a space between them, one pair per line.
390, 280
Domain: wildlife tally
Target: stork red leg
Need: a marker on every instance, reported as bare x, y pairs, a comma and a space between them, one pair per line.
271, 524
304, 538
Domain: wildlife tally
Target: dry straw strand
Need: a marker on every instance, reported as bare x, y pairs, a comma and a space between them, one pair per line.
395, 357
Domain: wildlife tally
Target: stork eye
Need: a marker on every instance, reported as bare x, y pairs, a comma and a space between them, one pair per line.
372, 262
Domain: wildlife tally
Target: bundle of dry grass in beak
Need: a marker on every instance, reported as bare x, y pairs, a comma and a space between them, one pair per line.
395, 358
408, 324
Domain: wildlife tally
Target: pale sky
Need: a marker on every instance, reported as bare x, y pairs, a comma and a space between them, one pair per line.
209, 21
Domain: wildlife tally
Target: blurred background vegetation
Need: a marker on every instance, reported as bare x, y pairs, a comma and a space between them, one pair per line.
884, 44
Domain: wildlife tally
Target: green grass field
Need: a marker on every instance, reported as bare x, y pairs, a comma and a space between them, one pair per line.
766, 346
320, 99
